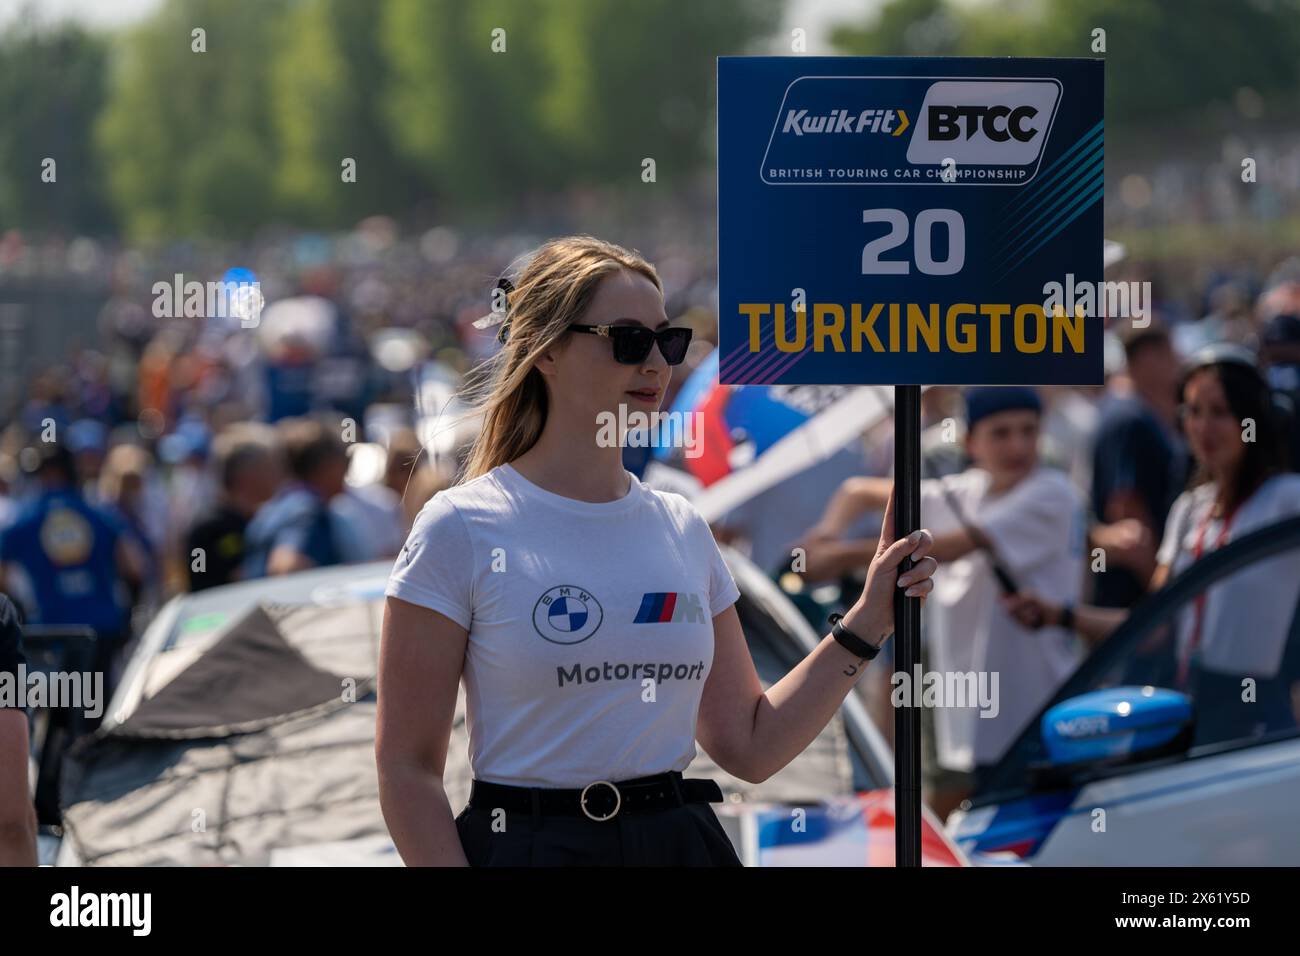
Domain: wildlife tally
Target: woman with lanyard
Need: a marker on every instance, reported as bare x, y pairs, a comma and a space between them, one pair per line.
589, 616
1238, 628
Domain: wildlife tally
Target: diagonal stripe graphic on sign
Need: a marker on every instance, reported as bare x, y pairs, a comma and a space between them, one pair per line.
757, 359
735, 366
1076, 197
757, 369
1027, 213
1091, 200
1044, 178
1044, 218
773, 375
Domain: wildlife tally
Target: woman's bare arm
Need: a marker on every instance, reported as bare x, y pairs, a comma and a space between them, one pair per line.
17, 815
752, 734
1094, 624
827, 555
854, 498
421, 657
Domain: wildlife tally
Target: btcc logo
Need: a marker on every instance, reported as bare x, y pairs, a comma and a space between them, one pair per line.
976, 122
946, 122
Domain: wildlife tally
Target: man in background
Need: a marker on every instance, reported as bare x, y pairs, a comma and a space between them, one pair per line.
248, 467
294, 530
77, 559
1140, 465
1007, 521
1279, 360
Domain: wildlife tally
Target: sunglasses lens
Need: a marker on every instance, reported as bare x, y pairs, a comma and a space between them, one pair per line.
632, 345
673, 343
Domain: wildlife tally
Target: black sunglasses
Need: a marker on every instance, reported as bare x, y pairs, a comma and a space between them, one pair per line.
632, 343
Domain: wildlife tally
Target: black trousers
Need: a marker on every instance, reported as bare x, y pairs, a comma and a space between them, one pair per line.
689, 835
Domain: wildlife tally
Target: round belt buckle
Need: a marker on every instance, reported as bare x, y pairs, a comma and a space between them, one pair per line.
618, 800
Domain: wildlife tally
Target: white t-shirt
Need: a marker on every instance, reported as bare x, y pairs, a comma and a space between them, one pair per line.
1247, 615
590, 624
1037, 528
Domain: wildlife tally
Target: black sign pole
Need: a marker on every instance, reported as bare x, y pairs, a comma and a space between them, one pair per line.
907, 630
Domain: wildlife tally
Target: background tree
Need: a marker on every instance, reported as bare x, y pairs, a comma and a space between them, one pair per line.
50, 92
1175, 58
188, 138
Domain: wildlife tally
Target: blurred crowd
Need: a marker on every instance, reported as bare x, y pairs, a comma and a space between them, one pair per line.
184, 452
1056, 510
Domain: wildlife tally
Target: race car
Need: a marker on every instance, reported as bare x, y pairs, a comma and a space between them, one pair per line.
242, 733
1120, 768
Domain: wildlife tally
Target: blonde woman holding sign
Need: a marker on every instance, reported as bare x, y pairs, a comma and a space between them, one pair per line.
590, 617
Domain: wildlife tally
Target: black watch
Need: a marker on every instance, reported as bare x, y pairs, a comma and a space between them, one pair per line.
850, 641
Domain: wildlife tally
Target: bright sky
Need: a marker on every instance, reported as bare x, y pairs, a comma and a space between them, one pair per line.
815, 16
818, 16
94, 13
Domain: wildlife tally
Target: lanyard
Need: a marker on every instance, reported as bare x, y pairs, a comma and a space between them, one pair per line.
1198, 606
982, 542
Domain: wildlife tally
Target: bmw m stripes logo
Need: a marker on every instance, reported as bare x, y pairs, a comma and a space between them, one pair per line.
661, 607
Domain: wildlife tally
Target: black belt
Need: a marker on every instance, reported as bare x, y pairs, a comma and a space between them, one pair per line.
599, 800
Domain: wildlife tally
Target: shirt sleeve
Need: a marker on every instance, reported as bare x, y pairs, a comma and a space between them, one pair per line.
936, 515
1170, 544
296, 534
435, 568
723, 591
1032, 522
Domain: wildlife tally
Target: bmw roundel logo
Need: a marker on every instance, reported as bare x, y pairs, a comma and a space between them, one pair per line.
567, 614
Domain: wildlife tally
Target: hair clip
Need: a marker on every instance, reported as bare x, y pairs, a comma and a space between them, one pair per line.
498, 317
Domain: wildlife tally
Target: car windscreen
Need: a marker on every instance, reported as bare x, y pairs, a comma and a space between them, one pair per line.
1226, 632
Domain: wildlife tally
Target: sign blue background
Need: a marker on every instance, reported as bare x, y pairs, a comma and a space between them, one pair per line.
777, 236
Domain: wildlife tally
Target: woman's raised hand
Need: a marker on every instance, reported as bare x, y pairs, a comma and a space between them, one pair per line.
872, 616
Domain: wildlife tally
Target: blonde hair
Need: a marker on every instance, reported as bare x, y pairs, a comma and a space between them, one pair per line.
554, 289
122, 462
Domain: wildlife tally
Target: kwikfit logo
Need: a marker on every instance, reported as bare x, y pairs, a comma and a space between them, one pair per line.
801, 123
